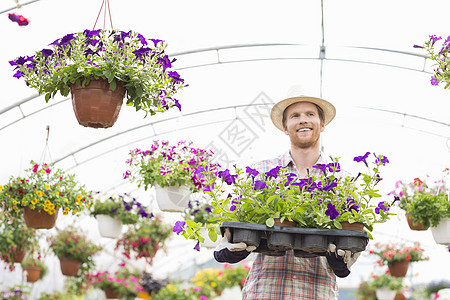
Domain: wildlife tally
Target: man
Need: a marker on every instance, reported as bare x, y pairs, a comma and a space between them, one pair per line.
303, 119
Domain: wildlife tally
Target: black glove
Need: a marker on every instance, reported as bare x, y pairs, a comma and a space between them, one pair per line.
229, 252
340, 261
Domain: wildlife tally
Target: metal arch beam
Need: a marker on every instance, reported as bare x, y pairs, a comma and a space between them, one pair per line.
207, 123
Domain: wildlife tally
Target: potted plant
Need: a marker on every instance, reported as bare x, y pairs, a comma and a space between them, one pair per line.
386, 286
326, 201
116, 284
183, 292
17, 292
174, 170
116, 210
41, 193
398, 256
425, 204
211, 278
98, 67
235, 275
16, 239
197, 214
35, 268
74, 250
144, 239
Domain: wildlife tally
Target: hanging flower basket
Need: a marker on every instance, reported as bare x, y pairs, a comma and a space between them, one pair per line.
441, 232
417, 226
110, 293
385, 294
121, 60
172, 198
398, 268
109, 227
69, 267
33, 273
97, 105
39, 219
20, 254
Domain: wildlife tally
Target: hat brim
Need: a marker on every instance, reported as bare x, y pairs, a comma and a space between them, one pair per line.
278, 109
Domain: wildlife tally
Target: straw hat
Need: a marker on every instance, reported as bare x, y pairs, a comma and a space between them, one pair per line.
295, 96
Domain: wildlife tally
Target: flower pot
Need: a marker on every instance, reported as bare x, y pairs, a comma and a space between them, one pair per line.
39, 219
418, 226
109, 227
172, 199
385, 294
352, 226
285, 223
69, 267
20, 254
33, 273
441, 233
208, 243
96, 105
398, 268
111, 293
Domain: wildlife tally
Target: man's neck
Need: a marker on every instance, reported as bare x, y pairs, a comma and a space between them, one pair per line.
304, 158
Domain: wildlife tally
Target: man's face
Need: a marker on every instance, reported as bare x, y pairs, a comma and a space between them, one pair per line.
303, 124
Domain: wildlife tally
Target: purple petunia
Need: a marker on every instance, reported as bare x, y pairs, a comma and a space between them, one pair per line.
362, 158
351, 205
197, 246
384, 160
273, 172
331, 211
259, 185
434, 81
251, 171
209, 188
178, 228
227, 177
381, 206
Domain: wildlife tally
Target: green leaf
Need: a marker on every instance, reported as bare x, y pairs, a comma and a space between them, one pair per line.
113, 85
212, 235
270, 222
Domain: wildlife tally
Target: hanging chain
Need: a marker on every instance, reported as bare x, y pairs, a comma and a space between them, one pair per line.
46, 147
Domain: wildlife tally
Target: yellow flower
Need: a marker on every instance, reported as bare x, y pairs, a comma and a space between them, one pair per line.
213, 284
47, 202
46, 208
66, 209
170, 287
1, 188
24, 203
47, 186
79, 197
34, 201
15, 207
65, 199
52, 206
64, 212
39, 193
57, 194
52, 211
14, 202
42, 171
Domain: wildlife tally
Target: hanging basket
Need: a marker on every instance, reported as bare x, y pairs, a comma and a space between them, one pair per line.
96, 105
441, 233
172, 199
110, 293
20, 254
385, 294
39, 219
398, 268
418, 226
208, 243
69, 267
33, 273
109, 227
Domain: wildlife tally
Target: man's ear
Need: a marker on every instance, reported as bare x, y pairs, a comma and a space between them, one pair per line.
322, 126
285, 130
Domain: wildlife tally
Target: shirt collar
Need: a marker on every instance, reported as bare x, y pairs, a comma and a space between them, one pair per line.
286, 159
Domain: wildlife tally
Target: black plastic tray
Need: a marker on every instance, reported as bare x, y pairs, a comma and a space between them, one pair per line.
306, 242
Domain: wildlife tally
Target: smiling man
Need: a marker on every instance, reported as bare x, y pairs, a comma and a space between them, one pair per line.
303, 119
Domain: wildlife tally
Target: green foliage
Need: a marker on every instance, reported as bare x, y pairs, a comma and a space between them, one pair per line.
125, 58
386, 281
122, 207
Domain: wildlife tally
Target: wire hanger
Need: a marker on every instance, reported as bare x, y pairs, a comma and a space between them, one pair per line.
106, 4
46, 150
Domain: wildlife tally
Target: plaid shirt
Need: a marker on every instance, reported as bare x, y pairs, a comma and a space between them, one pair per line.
289, 277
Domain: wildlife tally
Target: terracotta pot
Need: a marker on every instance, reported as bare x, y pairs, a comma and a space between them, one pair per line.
20, 254
398, 268
285, 223
352, 226
39, 219
33, 273
69, 267
96, 105
418, 226
111, 294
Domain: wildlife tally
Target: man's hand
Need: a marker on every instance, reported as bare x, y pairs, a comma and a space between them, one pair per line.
231, 252
349, 257
226, 243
